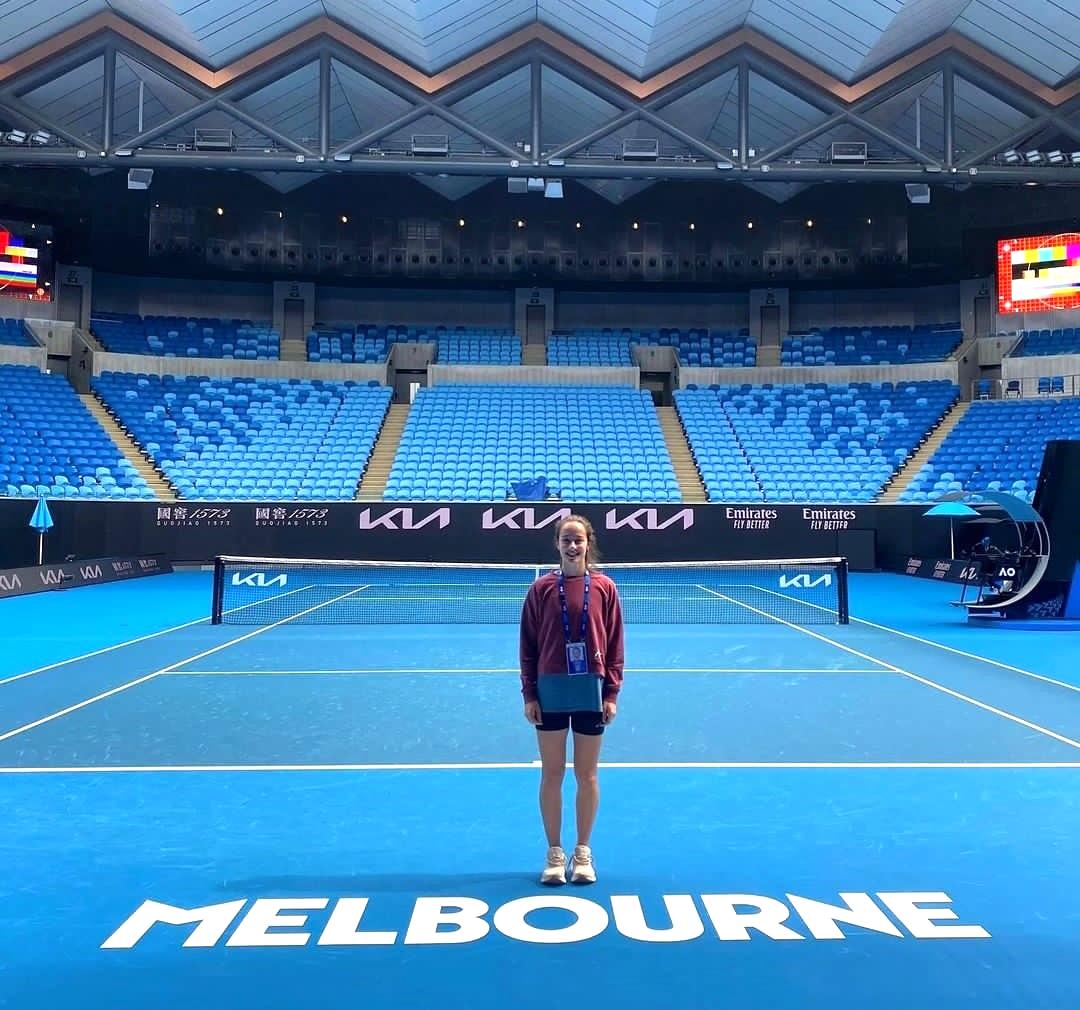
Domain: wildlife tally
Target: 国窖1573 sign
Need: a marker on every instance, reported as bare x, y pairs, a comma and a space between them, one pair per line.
327, 922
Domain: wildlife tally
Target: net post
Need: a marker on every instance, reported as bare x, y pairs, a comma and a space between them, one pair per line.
219, 585
842, 592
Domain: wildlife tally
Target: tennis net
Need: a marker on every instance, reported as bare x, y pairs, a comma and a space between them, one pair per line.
263, 591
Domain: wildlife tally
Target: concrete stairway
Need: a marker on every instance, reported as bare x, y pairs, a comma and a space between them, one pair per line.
293, 350
162, 489
686, 473
534, 354
373, 484
768, 357
892, 491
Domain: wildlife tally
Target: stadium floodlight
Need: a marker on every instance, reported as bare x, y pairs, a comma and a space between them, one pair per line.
1033, 157
1075, 157
1011, 156
15, 137
1055, 157
343, 156
40, 137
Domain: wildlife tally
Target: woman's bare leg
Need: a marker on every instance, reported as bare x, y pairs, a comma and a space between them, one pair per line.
552, 771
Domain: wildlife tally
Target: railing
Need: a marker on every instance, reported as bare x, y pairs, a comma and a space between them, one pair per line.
1025, 388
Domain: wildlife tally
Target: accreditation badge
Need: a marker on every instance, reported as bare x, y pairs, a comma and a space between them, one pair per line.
577, 663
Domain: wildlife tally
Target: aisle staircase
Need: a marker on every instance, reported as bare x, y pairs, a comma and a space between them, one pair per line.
373, 484
162, 489
686, 472
902, 478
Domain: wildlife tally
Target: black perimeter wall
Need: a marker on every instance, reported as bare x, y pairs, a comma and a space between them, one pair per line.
509, 532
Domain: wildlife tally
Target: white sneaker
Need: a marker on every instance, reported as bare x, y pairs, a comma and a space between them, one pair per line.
554, 872
582, 870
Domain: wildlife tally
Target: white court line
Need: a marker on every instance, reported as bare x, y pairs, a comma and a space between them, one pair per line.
423, 671
906, 673
166, 669
927, 641
534, 766
143, 638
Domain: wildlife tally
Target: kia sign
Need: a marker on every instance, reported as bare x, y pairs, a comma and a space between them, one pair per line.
406, 518
23, 581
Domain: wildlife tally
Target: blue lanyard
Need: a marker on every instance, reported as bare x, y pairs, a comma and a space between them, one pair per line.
566, 612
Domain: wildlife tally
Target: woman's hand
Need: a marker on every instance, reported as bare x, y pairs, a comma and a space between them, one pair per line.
532, 713
609, 712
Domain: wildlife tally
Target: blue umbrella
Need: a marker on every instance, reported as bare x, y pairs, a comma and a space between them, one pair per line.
951, 510
42, 521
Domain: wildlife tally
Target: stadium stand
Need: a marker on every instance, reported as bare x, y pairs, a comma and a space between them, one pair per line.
51, 445
997, 446
461, 345
696, 347
182, 337
1042, 343
591, 443
813, 442
13, 332
871, 345
220, 439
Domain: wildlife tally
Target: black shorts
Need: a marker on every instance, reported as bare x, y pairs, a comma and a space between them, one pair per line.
585, 723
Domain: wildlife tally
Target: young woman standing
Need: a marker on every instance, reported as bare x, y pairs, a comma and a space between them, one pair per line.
571, 654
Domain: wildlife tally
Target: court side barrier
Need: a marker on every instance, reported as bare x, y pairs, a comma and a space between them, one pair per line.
73, 574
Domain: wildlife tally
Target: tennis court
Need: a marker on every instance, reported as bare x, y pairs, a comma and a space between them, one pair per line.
795, 813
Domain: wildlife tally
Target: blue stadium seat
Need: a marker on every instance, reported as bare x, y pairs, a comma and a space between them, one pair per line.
810, 442
997, 445
885, 345
183, 337
50, 443
251, 438
473, 442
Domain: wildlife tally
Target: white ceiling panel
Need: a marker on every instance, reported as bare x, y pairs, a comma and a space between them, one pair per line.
849, 38
1039, 36
684, 26
833, 35
621, 33
569, 110
917, 21
709, 112
24, 23
73, 100
290, 104
502, 108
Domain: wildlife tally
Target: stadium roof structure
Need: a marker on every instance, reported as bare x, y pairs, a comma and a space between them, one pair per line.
616, 95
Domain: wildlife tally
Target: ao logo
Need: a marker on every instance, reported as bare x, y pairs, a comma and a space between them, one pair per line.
804, 581
259, 580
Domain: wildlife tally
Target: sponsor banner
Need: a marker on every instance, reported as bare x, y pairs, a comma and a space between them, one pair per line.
71, 574
945, 569
508, 532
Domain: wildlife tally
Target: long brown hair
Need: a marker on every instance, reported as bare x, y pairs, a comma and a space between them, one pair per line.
592, 549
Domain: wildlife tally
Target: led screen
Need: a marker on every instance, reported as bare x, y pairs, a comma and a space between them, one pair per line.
25, 260
1039, 272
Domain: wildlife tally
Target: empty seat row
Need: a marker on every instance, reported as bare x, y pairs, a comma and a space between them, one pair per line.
473, 443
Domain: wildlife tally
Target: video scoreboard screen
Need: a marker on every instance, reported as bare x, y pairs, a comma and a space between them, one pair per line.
25, 260
1039, 272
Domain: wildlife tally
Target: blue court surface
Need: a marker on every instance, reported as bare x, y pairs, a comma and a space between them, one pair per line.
883, 814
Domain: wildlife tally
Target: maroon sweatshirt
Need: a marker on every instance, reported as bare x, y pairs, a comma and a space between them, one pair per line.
543, 640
